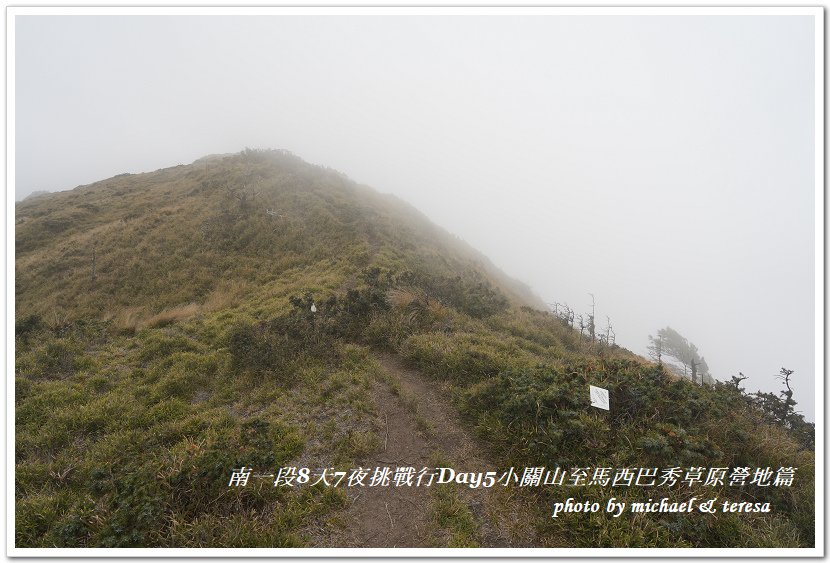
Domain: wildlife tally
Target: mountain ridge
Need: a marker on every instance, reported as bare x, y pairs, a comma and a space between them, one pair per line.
56, 214
255, 311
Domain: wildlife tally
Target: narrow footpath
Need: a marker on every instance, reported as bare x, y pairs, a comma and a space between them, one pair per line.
420, 428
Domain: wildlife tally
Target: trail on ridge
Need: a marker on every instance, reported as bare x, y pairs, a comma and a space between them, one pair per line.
420, 428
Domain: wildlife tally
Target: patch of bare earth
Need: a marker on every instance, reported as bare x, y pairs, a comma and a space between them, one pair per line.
419, 426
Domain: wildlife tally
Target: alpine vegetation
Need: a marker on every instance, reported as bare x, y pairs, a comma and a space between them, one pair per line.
252, 351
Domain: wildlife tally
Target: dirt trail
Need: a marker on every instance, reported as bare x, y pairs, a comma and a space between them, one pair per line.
420, 428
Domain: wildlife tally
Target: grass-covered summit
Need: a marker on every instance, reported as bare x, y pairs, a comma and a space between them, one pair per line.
138, 244
165, 336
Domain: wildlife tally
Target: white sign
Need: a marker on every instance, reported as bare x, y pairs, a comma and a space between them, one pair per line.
599, 398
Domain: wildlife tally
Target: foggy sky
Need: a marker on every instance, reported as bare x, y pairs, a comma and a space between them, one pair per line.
663, 163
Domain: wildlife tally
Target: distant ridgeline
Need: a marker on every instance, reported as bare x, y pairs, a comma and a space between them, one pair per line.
174, 325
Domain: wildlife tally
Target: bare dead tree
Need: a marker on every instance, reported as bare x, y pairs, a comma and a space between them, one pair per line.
736, 380
591, 325
784, 375
567, 315
582, 324
610, 335
554, 308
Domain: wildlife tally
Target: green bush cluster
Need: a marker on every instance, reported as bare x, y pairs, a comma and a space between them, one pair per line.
539, 415
470, 293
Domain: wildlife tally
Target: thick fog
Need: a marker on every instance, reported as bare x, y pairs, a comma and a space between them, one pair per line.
665, 164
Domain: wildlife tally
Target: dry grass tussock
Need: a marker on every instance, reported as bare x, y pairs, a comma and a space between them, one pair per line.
227, 294
131, 319
173, 315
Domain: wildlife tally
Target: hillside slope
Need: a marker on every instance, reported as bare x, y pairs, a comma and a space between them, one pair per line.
171, 237
255, 311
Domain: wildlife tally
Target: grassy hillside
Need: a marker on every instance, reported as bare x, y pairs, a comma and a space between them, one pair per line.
165, 336
182, 235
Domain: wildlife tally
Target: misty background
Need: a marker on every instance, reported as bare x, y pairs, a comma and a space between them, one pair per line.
665, 164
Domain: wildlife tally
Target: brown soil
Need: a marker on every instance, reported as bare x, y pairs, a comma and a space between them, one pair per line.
419, 428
